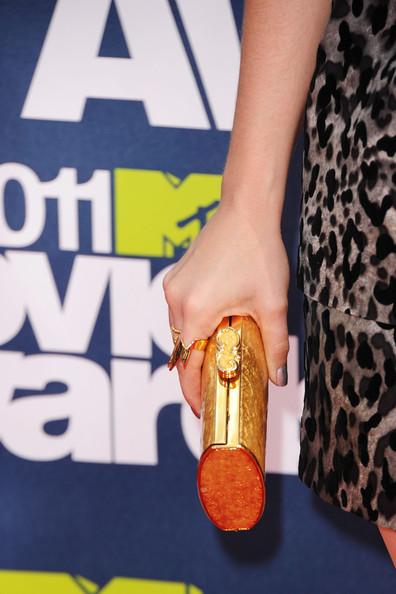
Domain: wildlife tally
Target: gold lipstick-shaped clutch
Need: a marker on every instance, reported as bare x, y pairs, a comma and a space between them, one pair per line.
234, 390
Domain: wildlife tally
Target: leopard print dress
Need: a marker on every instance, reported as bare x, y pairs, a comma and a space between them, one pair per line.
346, 264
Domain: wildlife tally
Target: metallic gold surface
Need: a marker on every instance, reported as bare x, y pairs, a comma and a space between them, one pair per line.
177, 348
228, 352
175, 333
254, 392
199, 344
234, 415
214, 397
181, 351
247, 396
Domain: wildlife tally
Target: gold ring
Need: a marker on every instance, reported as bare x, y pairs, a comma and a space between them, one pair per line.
200, 344
175, 333
183, 351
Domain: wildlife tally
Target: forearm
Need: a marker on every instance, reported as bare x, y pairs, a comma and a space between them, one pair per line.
278, 56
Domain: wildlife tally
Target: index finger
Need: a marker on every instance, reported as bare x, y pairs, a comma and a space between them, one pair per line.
190, 379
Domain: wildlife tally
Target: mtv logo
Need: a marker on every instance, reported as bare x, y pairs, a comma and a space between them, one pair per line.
157, 214
39, 582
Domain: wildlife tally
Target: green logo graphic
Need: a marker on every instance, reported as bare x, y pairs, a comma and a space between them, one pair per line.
37, 582
157, 214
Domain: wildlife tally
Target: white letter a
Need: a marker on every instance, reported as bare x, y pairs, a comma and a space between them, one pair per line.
69, 69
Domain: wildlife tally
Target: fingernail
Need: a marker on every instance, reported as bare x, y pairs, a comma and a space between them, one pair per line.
281, 376
195, 413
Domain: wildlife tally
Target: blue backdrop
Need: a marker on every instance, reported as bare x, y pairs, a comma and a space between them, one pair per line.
115, 121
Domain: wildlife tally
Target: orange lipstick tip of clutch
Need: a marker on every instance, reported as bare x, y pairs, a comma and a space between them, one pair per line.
231, 488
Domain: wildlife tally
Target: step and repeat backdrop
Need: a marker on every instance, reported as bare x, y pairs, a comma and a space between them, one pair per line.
115, 119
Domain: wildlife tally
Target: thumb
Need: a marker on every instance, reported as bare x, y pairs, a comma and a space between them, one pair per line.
275, 335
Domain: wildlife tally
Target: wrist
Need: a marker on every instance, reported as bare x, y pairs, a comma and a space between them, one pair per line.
261, 206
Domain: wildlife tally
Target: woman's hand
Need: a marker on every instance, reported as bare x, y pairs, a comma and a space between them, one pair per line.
237, 264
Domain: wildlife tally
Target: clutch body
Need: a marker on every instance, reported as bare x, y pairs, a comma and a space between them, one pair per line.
234, 389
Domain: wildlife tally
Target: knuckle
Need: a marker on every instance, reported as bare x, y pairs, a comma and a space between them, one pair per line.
165, 281
192, 306
276, 308
171, 292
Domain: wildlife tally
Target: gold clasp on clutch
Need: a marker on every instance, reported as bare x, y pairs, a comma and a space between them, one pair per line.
228, 355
